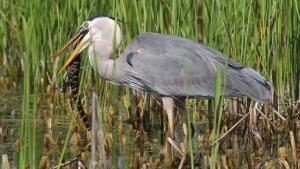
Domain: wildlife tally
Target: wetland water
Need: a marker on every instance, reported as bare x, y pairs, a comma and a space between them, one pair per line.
131, 143
36, 121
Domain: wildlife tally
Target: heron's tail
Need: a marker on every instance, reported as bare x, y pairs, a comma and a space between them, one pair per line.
260, 89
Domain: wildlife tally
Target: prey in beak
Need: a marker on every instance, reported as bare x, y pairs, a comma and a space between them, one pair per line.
79, 42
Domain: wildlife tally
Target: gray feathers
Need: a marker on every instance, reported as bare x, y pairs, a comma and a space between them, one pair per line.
175, 66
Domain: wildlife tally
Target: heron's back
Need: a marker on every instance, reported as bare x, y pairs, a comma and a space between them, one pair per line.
175, 66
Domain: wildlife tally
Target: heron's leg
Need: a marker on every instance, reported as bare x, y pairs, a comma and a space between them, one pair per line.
168, 105
180, 106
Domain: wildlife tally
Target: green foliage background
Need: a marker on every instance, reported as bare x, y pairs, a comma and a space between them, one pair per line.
262, 34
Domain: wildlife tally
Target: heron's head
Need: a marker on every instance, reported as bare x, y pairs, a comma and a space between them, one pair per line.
100, 33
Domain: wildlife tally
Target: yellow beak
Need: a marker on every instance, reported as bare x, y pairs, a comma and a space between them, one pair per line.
78, 37
67, 45
72, 56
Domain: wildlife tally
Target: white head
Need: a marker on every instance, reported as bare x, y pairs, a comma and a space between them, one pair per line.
103, 37
101, 34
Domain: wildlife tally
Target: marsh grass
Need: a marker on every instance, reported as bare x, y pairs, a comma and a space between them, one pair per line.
264, 35
218, 117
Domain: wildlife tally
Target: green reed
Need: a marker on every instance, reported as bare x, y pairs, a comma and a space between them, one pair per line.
218, 117
264, 35
259, 34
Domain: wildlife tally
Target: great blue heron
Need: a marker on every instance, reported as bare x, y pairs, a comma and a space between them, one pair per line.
170, 66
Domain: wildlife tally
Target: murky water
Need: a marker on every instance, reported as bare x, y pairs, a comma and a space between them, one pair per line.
10, 106
134, 144
139, 143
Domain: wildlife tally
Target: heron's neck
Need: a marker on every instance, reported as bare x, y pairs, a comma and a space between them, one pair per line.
104, 63
106, 68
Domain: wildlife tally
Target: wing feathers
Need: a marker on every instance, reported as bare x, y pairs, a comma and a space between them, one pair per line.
175, 66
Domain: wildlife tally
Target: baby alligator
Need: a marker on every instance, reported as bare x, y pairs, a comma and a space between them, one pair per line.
73, 71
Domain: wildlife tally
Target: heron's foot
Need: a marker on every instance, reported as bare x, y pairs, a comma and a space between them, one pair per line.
167, 154
180, 149
174, 145
183, 159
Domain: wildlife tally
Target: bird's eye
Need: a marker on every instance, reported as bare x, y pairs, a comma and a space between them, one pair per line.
85, 25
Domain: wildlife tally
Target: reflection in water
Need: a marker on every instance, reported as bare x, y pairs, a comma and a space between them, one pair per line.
136, 142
